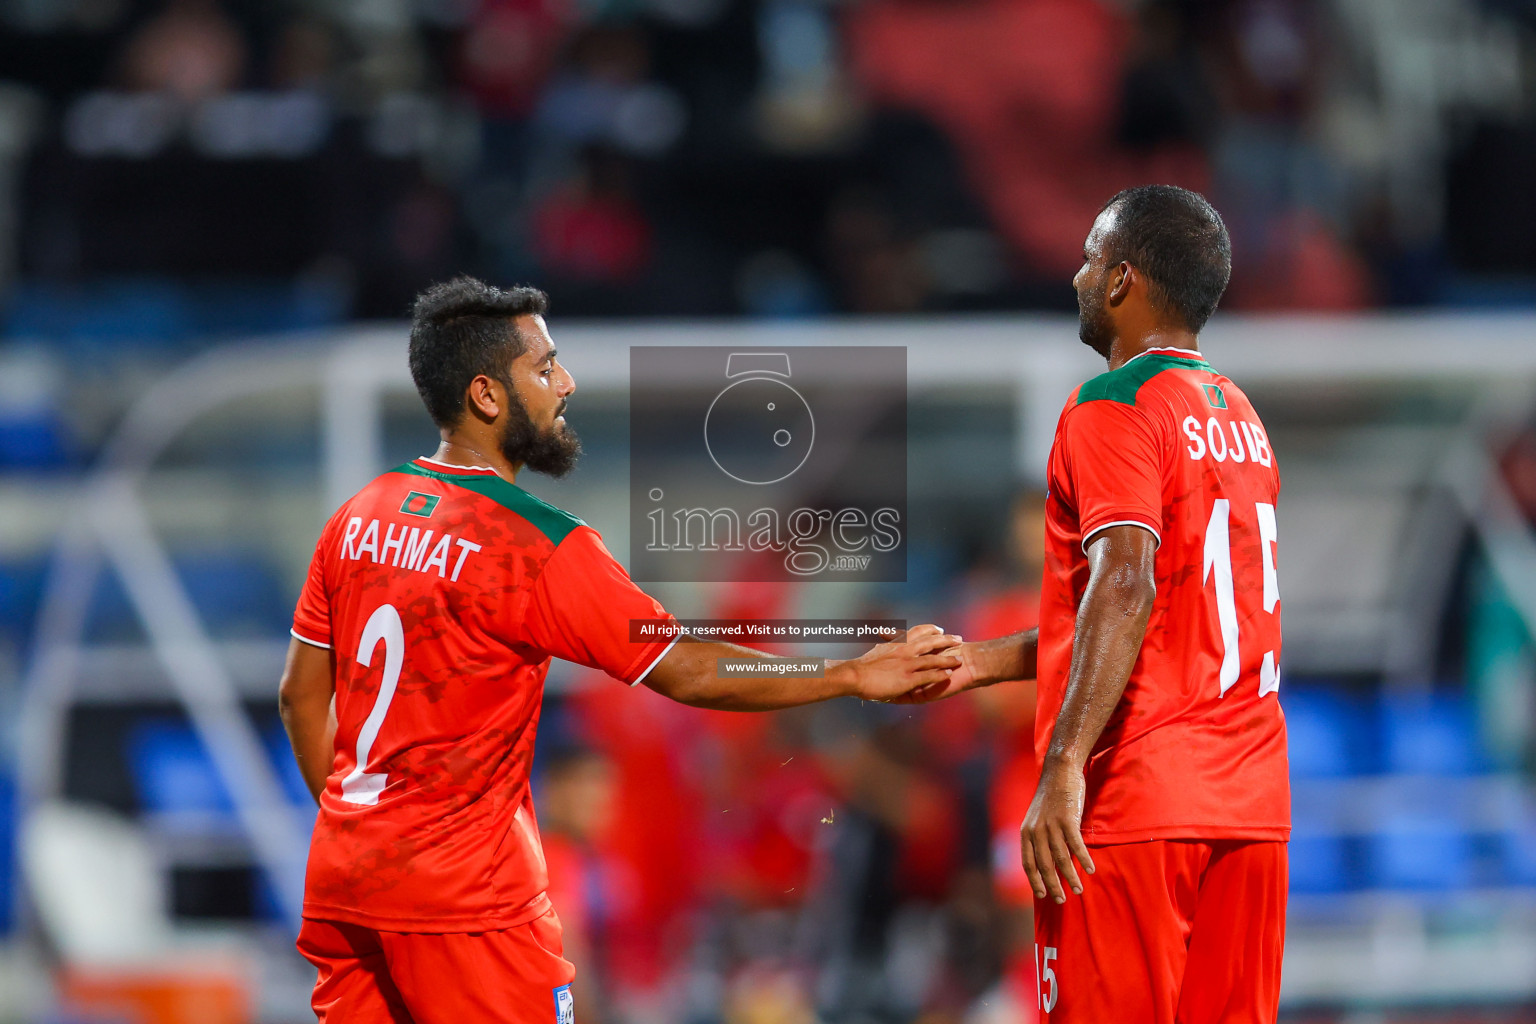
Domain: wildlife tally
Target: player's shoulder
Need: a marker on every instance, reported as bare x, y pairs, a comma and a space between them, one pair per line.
499, 495
1135, 383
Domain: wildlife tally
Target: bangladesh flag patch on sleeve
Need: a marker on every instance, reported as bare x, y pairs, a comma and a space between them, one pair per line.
418, 504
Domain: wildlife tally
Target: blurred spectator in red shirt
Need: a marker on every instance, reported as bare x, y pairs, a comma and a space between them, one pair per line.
1296, 260
576, 802
1518, 465
655, 839
508, 50
590, 229
1008, 710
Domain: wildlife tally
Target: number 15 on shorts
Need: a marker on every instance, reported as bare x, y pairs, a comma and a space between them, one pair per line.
1048, 989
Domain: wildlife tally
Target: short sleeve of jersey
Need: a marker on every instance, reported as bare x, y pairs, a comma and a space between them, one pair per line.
1115, 465
581, 606
312, 617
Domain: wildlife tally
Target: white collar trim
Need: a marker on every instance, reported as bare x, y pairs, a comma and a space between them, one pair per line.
1187, 352
450, 465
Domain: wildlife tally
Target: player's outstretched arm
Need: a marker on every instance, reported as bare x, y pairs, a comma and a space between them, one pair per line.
1000, 660
1111, 622
304, 700
691, 673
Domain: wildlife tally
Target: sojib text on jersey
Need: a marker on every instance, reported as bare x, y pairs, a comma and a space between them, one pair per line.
1248, 442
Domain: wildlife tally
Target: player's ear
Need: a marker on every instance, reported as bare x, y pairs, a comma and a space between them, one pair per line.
1120, 278
484, 397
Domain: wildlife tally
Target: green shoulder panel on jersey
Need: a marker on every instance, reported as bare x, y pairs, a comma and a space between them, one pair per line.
1122, 385
552, 522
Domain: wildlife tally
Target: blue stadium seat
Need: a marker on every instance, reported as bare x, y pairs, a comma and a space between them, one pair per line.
275, 739
172, 771
111, 617
161, 312
126, 311
1319, 861
1321, 727
21, 589
8, 812
1519, 853
35, 441
236, 593
1429, 735
253, 307
1414, 849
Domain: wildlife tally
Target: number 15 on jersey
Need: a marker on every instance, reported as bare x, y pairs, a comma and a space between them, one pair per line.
1218, 569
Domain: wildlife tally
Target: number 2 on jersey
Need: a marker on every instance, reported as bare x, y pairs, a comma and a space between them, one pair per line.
1218, 563
384, 625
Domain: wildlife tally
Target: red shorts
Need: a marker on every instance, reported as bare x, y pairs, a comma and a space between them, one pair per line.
516, 976
1167, 932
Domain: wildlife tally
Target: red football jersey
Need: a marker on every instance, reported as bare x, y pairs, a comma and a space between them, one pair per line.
1196, 747
444, 592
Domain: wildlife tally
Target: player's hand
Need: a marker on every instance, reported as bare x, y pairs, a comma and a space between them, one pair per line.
924, 657
1053, 832
960, 679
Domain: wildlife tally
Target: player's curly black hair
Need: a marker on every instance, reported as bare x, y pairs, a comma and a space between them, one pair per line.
461, 329
1176, 238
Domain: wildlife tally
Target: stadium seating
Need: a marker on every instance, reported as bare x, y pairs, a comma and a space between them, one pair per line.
8, 812
1420, 840
175, 777
1519, 851
93, 880
1319, 860
275, 739
100, 899
1321, 726
1429, 735
160, 312
172, 772
1393, 794
34, 441
236, 594
1421, 849
21, 586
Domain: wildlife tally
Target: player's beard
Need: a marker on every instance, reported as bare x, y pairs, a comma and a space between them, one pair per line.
1094, 327
552, 452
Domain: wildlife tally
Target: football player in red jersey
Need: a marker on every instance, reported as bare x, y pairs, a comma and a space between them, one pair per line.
1159, 730
436, 597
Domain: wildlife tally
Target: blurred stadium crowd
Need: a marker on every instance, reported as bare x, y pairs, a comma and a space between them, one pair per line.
241, 166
